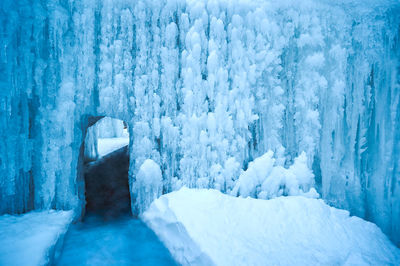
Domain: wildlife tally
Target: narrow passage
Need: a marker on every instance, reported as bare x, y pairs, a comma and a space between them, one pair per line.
109, 235
121, 241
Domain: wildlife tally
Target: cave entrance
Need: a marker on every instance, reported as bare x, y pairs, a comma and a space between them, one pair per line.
106, 168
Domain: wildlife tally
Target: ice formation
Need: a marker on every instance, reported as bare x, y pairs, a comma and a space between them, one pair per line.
205, 88
266, 178
148, 185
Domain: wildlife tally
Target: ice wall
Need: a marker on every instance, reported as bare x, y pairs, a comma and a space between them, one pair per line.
110, 128
205, 87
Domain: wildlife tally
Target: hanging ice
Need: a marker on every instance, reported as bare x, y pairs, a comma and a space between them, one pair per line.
205, 88
266, 178
147, 186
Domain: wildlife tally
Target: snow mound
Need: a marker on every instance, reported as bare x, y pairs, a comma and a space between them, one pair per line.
31, 239
206, 227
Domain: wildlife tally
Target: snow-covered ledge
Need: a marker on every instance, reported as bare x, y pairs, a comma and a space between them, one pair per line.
205, 227
32, 238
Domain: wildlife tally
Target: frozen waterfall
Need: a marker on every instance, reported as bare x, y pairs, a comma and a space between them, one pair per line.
206, 87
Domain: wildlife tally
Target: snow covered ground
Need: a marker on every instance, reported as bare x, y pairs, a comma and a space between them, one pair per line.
108, 145
30, 239
123, 241
205, 227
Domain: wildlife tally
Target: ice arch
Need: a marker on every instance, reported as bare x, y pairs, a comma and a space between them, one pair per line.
203, 85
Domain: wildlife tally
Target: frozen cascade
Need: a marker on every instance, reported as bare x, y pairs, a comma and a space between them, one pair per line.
205, 88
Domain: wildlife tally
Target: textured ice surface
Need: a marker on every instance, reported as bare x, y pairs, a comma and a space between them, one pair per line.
205, 87
266, 178
206, 227
148, 185
30, 239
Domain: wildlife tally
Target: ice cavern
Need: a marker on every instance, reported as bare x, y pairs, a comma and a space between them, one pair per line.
279, 116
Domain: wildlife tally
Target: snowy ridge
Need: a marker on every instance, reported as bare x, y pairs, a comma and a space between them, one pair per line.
205, 88
32, 238
280, 231
173, 233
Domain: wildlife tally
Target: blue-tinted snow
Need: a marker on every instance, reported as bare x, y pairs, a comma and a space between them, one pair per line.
30, 239
206, 227
122, 241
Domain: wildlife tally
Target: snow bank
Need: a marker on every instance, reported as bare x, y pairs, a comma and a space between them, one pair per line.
205, 227
148, 185
31, 239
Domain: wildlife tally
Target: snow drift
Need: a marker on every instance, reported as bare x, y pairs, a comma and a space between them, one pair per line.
34, 238
206, 227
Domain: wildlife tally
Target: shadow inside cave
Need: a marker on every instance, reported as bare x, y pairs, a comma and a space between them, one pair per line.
107, 185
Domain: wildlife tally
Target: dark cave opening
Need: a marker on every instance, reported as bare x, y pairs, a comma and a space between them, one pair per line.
106, 184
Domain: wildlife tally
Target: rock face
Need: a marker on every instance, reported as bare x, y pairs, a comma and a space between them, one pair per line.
203, 86
106, 185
